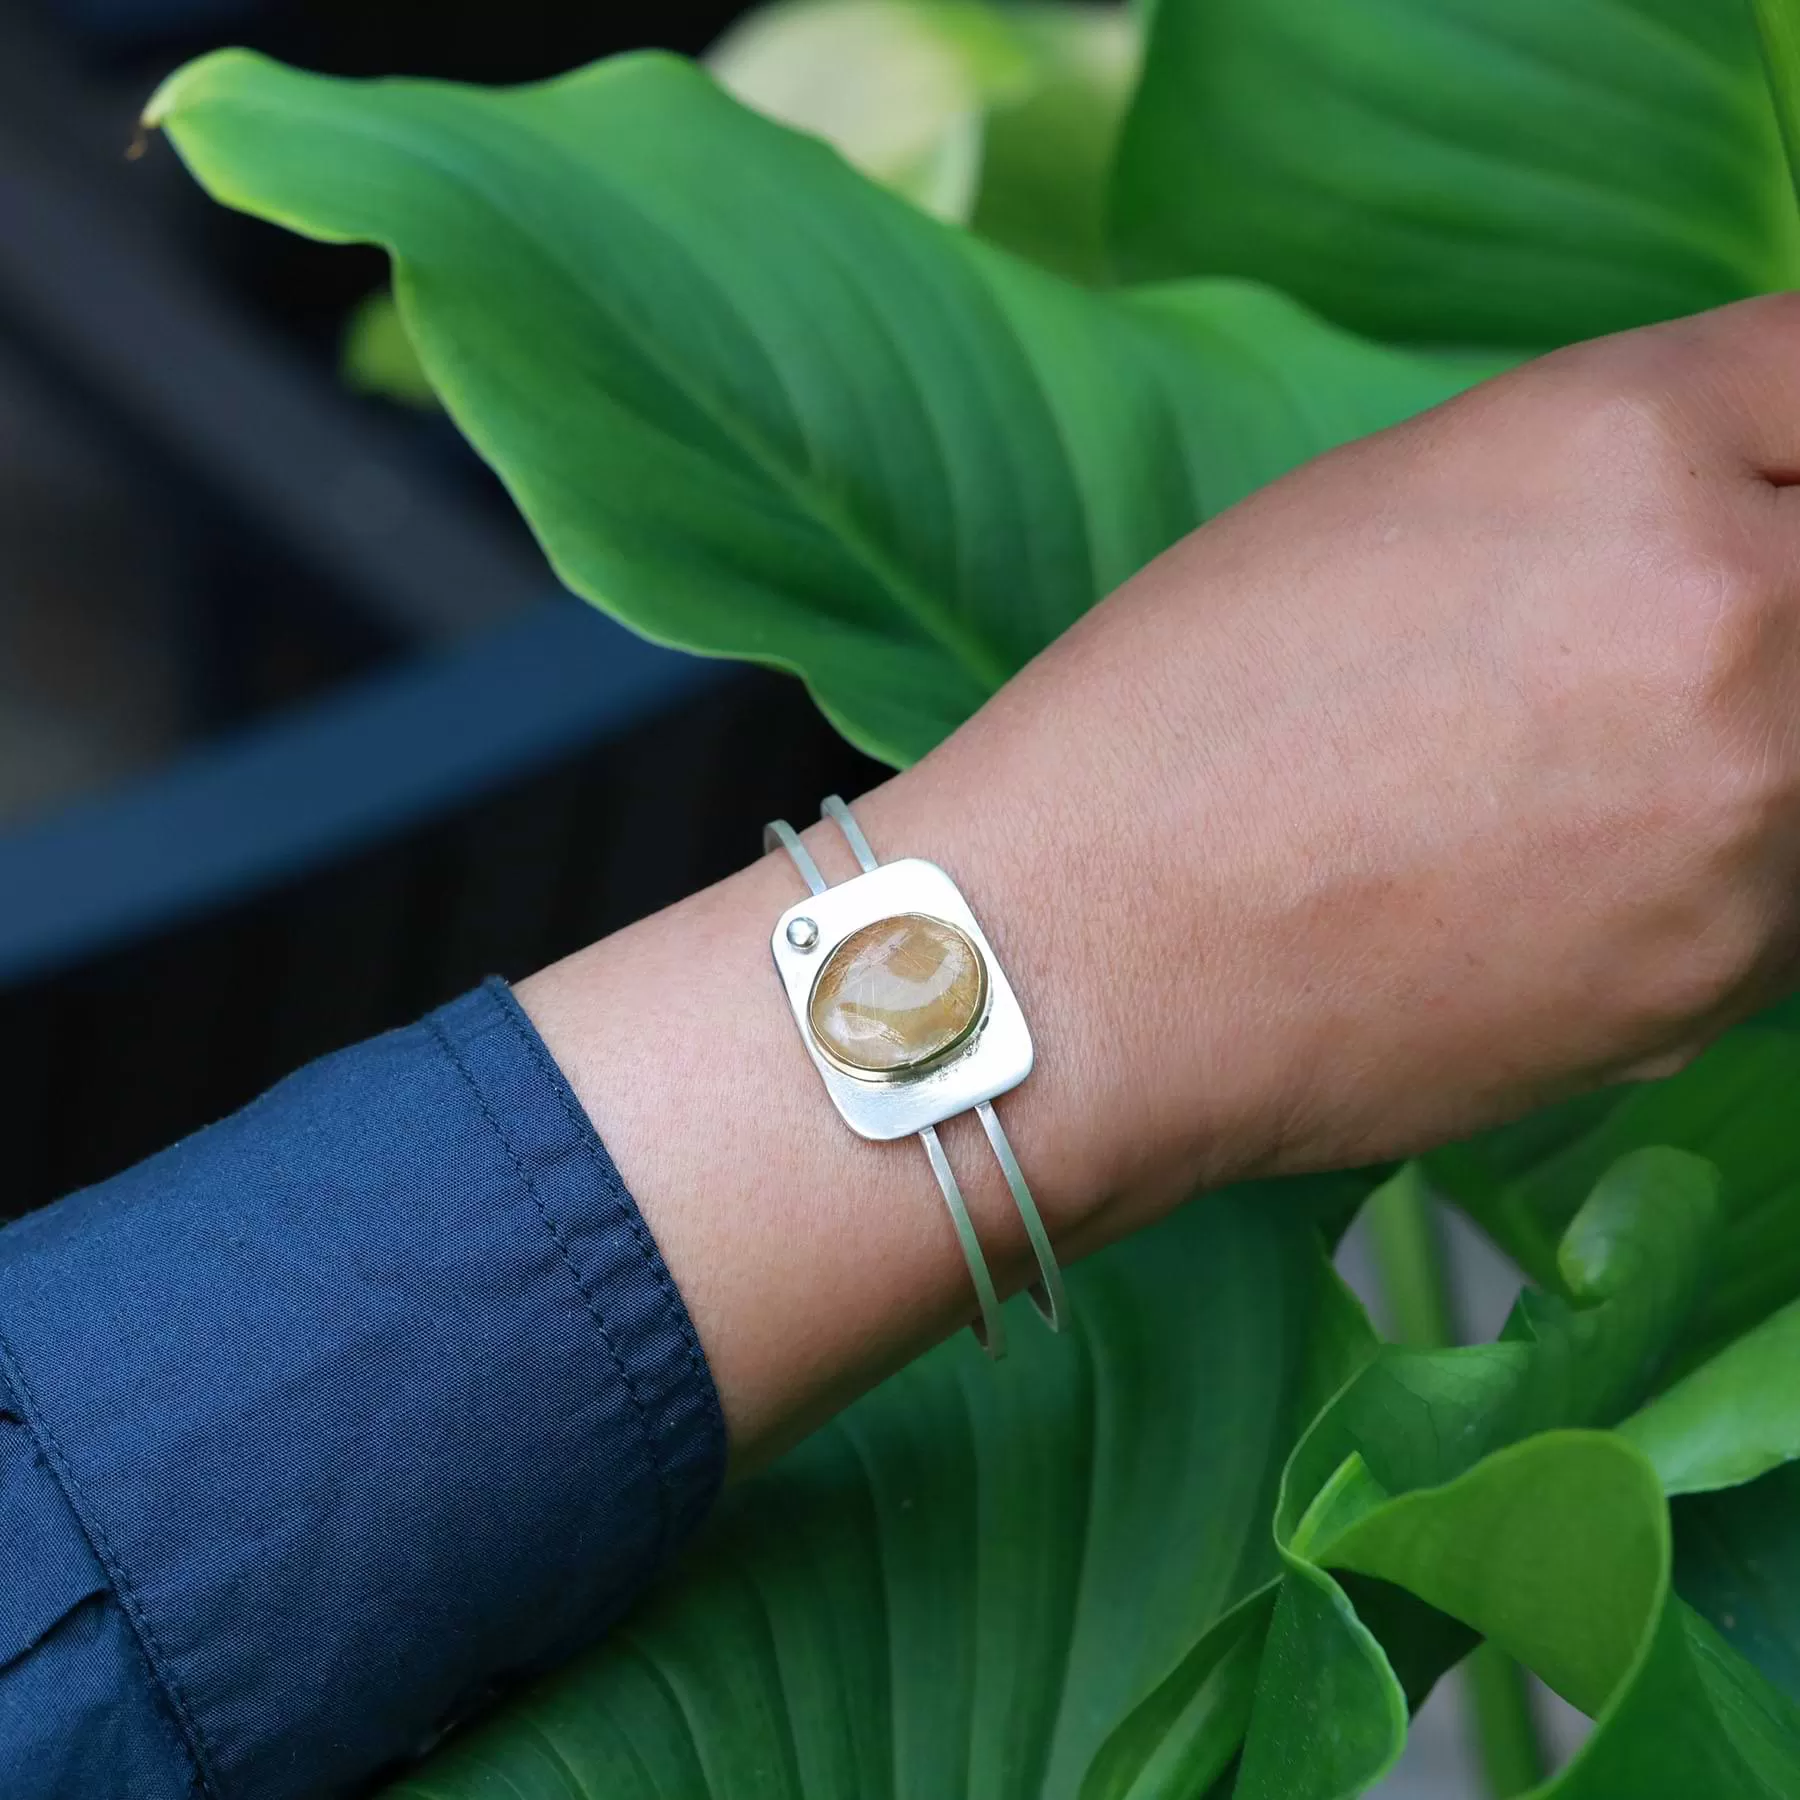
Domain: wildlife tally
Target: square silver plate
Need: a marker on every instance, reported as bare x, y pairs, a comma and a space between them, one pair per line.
993, 1061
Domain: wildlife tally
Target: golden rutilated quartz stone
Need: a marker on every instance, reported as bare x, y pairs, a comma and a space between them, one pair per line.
896, 995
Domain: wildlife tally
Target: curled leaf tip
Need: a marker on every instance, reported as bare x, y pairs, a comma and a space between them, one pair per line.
187, 82
1652, 1213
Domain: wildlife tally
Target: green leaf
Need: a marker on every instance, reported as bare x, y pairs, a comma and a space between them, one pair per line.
1332, 1685
1522, 172
960, 1585
1733, 1106
1728, 1435
1731, 1419
1557, 1548
378, 357
1734, 1415
901, 87
1633, 1259
1448, 1475
1329, 1714
756, 406
1004, 115
1737, 1561
1047, 162
1778, 22
1186, 1731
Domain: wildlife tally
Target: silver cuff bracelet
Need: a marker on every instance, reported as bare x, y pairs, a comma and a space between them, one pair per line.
910, 1020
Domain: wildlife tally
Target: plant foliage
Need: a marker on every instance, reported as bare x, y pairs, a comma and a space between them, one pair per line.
895, 438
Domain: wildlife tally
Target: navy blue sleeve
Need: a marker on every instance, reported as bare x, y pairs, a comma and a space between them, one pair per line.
319, 1428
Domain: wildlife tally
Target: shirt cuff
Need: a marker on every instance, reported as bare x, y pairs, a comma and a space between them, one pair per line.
367, 1401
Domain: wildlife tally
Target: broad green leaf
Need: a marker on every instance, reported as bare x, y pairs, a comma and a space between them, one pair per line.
1632, 1260
753, 404
1737, 1561
1731, 1419
1004, 115
1414, 1420
1001, 114
1557, 1548
960, 1585
1417, 1422
901, 87
1554, 1544
1735, 1412
1329, 1715
1728, 1434
1734, 1106
1695, 1718
1523, 172
1047, 160
1186, 1731
1778, 21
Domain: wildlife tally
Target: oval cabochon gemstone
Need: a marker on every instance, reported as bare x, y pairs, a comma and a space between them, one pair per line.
897, 994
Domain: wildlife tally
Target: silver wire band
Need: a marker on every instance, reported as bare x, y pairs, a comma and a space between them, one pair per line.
831, 807
778, 834
1047, 1292
990, 1330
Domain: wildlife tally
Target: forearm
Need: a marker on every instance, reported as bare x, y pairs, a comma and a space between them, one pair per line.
811, 1260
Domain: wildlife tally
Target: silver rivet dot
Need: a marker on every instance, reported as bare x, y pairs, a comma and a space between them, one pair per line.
802, 933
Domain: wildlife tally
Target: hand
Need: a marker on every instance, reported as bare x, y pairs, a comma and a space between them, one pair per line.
1458, 770
1455, 771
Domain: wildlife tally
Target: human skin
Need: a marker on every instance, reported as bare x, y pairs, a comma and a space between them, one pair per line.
1457, 771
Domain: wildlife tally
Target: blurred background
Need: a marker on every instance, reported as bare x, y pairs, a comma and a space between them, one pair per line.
298, 735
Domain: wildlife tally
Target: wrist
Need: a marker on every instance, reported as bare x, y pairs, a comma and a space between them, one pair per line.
811, 1260
1152, 1079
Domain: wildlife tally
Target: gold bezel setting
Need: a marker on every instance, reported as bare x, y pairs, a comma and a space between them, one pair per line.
911, 1071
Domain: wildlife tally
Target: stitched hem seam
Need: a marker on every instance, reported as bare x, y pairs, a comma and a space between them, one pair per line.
617, 1197
192, 1741
665, 1499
